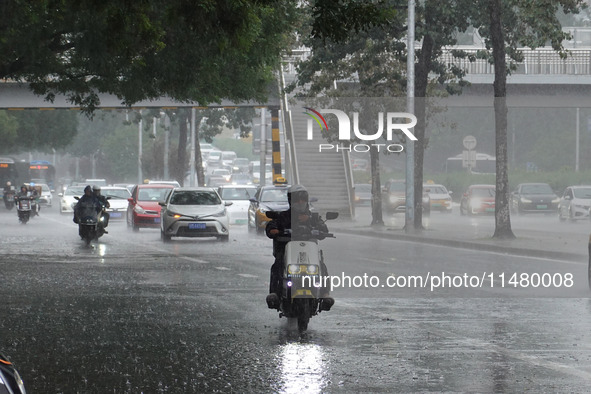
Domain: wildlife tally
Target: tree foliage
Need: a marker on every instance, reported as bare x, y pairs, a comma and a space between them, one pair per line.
201, 51
41, 131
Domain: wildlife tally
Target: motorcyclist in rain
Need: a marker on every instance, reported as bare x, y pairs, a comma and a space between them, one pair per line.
104, 202
297, 218
87, 197
35, 198
23, 192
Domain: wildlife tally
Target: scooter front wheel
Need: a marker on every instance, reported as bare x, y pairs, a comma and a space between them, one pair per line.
304, 315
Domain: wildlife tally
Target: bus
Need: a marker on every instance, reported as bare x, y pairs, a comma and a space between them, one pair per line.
42, 171
485, 164
8, 172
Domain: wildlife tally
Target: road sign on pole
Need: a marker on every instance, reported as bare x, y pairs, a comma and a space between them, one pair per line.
469, 142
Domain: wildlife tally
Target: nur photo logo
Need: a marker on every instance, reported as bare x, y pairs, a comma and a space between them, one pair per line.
396, 122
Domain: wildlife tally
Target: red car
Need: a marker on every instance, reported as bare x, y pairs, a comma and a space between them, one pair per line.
143, 209
478, 199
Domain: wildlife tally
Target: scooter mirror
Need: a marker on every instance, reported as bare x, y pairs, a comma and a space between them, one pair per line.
331, 215
272, 214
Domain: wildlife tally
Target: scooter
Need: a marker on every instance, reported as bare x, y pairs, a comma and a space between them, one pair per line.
303, 292
10, 380
90, 222
24, 206
9, 198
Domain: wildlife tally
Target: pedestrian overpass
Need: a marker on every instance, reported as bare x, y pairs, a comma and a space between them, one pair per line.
543, 79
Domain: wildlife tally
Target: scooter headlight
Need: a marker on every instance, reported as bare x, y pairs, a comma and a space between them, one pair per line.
312, 269
293, 269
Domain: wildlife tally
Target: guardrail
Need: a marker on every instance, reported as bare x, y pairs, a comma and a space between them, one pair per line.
541, 61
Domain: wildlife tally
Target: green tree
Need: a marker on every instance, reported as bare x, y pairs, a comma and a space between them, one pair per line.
201, 51
41, 131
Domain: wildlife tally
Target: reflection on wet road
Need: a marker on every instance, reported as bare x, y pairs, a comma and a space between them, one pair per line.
131, 314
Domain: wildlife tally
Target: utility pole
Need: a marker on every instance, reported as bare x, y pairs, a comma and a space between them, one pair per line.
410, 104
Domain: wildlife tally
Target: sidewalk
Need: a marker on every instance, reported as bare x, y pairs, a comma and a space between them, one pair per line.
572, 246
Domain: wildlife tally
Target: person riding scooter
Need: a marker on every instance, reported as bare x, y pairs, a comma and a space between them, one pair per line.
299, 219
87, 197
105, 203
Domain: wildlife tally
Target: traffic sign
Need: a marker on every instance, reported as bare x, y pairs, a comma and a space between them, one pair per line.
469, 142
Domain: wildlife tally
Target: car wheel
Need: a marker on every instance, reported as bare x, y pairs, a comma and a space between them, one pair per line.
164, 237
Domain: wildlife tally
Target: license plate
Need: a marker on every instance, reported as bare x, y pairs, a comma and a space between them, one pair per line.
196, 226
541, 206
490, 209
240, 221
115, 214
156, 220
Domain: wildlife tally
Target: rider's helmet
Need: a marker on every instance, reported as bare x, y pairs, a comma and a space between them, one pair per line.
8, 183
24, 187
96, 189
297, 197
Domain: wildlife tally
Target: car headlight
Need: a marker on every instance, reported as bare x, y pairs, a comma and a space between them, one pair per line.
219, 214
138, 209
475, 202
556, 201
173, 214
312, 269
523, 199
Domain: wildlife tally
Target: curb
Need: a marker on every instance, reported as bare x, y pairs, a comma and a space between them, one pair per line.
471, 245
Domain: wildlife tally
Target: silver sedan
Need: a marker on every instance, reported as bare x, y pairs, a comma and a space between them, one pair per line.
194, 212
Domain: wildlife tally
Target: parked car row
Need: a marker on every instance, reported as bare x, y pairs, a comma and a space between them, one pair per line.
574, 204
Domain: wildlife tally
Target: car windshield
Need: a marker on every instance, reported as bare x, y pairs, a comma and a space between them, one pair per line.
74, 191
221, 172
536, 189
45, 188
153, 194
241, 162
483, 192
274, 195
116, 193
584, 193
215, 155
435, 189
238, 193
195, 197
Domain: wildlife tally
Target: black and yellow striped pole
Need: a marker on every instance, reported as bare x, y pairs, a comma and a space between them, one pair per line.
275, 142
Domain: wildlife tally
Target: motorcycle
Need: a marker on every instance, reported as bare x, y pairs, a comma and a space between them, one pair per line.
24, 206
303, 293
9, 198
90, 222
10, 380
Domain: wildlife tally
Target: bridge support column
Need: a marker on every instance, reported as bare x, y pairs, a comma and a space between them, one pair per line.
275, 140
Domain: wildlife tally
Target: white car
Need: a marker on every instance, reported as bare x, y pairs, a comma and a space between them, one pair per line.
439, 197
46, 198
194, 212
575, 203
67, 200
239, 196
117, 200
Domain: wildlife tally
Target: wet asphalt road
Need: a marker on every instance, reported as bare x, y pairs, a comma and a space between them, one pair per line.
131, 314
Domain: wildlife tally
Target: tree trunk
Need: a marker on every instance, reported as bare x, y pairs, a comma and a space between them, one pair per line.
181, 162
502, 217
421, 81
376, 189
